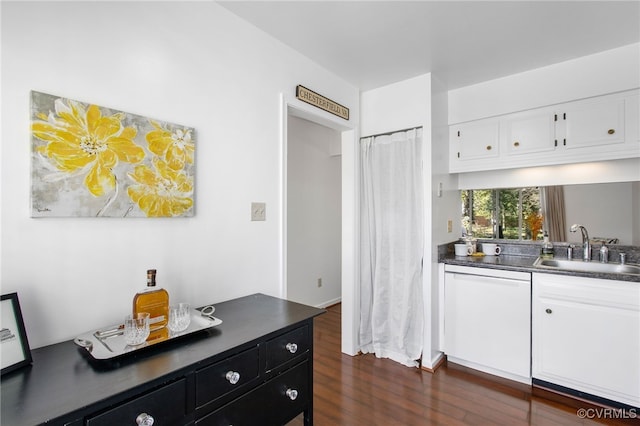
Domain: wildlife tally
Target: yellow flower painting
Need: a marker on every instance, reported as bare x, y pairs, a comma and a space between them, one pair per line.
89, 160
162, 191
176, 147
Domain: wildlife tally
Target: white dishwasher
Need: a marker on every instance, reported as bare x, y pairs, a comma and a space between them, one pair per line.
487, 320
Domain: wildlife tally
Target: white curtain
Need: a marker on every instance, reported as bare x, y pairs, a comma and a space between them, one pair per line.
391, 313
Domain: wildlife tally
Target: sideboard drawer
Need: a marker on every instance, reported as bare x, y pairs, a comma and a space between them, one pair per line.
167, 405
274, 403
223, 377
287, 346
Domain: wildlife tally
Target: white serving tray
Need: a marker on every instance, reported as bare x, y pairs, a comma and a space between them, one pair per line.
108, 342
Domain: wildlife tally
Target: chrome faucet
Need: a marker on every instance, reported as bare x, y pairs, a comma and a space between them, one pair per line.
604, 253
586, 245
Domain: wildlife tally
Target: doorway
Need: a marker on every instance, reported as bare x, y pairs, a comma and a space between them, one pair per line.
348, 207
313, 214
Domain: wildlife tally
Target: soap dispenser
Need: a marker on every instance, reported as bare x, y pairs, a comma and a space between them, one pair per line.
547, 251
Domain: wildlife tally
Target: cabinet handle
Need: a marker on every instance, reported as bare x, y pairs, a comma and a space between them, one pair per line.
548, 310
292, 347
144, 419
233, 377
488, 147
516, 144
611, 131
292, 394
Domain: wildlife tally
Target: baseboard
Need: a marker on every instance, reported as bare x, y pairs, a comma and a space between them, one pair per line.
489, 370
488, 377
576, 399
435, 362
329, 303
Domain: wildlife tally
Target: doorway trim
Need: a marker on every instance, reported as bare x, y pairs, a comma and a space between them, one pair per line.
350, 208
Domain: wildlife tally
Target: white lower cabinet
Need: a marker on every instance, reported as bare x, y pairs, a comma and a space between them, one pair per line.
487, 320
586, 335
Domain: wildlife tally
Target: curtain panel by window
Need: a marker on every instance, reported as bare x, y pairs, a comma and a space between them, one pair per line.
392, 212
554, 212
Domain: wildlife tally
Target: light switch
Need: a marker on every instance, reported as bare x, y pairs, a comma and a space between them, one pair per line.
258, 211
449, 225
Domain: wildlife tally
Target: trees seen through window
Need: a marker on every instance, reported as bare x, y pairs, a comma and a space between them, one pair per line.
500, 213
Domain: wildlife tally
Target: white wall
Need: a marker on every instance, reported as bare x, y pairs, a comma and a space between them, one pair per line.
606, 210
445, 202
400, 106
397, 106
192, 63
313, 213
605, 72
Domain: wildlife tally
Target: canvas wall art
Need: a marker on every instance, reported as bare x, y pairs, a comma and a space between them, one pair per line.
92, 161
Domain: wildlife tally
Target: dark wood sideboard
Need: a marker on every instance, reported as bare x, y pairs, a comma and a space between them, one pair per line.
264, 342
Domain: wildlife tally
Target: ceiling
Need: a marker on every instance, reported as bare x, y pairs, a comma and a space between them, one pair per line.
374, 43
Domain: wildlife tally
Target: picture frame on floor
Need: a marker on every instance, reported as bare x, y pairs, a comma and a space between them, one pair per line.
14, 346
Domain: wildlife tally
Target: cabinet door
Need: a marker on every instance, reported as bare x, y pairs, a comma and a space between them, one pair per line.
487, 322
632, 121
473, 143
529, 132
594, 122
586, 336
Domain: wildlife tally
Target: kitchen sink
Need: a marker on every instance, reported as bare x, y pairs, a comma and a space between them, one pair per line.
582, 266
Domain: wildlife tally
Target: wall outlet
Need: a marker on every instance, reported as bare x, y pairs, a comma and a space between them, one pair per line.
258, 211
319, 282
449, 226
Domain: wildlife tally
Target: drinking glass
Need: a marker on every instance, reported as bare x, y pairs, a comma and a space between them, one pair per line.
179, 317
136, 328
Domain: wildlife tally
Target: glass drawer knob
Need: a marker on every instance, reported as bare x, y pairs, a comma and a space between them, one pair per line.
292, 347
144, 419
292, 394
233, 377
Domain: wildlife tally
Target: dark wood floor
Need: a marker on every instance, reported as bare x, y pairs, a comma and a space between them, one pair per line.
365, 390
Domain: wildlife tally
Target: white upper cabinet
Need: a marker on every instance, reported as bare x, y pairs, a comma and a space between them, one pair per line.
530, 131
594, 129
594, 122
476, 141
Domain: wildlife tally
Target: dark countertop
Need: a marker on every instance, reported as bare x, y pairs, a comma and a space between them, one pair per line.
525, 264
62, 383
508, 262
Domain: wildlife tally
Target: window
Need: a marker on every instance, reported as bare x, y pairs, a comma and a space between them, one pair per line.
501, 213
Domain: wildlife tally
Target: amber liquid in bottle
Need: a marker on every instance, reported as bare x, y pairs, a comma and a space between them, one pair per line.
154, 300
